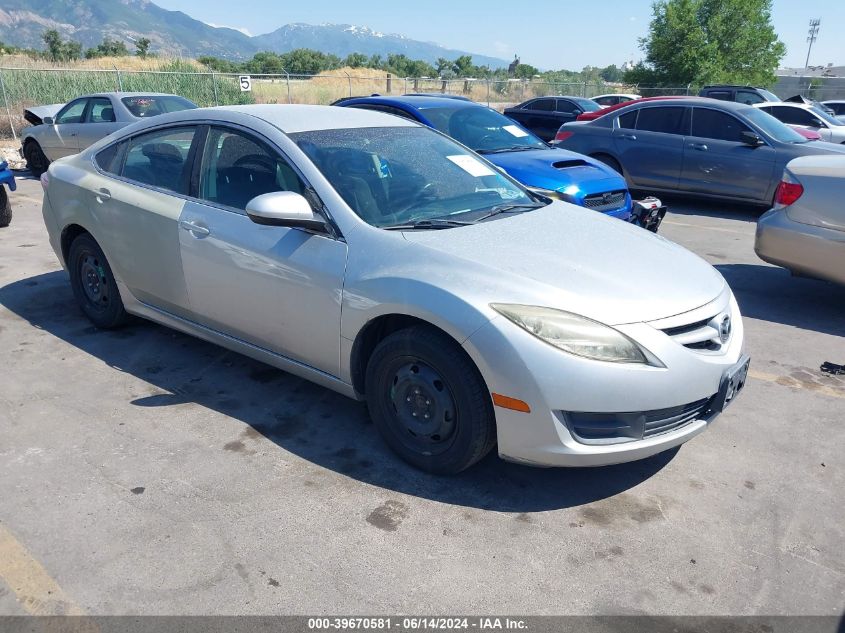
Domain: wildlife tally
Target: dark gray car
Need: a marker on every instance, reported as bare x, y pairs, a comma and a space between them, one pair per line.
702, 146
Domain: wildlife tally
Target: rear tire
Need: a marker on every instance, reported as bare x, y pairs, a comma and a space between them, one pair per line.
429, 401
93, 283
610, 162
5, 208
36, 161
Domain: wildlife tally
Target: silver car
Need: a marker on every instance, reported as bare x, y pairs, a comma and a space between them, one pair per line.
86, 120
808, 116
383, 260
805, 231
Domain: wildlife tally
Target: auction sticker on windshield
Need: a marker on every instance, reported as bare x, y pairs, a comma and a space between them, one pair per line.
518, 133
471, 166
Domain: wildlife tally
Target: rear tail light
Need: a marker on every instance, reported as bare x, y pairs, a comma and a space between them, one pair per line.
45, 180
563, 135
788, 191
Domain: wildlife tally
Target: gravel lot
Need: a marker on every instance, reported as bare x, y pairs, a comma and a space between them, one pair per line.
147, 472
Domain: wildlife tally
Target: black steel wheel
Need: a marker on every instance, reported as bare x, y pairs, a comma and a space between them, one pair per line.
93, 283
5, 208
429, 402
36, 161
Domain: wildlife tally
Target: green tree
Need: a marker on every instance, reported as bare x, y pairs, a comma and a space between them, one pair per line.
54, 44
142, 47
709, 41
356, 60
108, 48
612, 74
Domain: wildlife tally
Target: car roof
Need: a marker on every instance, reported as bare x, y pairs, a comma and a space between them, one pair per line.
684, 101
293, 118
732, 86
791, 104
121, 95
418, 102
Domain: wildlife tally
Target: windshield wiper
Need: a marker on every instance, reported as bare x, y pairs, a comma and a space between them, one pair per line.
515, 148
508, 208
431, 223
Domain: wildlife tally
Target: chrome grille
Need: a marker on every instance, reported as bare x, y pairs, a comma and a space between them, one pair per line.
704, 335
605, 201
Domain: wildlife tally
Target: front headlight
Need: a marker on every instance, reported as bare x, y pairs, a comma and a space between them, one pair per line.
574, 334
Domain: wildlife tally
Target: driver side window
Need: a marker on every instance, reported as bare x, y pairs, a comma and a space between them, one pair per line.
237, 167
73, 112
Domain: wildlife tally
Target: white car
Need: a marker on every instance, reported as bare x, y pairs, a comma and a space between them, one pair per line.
808, 116
385, 261
613, 99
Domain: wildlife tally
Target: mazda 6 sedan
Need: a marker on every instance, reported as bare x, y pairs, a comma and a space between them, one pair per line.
381, 259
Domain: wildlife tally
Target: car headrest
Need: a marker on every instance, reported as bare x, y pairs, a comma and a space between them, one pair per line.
107, 115
161, 151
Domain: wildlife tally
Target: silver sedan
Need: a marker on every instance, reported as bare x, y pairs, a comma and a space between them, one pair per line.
87, 119
385, 261
805, 231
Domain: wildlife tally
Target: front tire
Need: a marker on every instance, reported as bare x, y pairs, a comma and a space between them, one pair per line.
429, 401
93, 283
36, 161
5, 208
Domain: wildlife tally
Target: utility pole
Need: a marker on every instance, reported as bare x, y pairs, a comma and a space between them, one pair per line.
812, 35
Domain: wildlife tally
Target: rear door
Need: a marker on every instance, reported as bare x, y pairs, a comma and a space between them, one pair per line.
99, 122
139, 208
717, 162
275, 287
63, 140
649, 142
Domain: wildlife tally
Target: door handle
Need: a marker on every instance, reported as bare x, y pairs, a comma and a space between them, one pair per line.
701, 147
630, 137
102, 195
196, 229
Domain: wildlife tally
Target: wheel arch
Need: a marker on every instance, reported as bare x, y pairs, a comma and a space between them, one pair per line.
375, 331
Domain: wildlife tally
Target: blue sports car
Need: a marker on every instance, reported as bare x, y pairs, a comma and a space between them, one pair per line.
552, 172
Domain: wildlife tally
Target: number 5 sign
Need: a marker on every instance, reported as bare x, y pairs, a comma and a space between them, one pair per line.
246, 83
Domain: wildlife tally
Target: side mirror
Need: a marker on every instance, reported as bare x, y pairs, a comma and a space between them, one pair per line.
284, 208
47, 120
750, 138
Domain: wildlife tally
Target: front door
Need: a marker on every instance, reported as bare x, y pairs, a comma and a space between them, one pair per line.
63, 139
275, 287
717, 162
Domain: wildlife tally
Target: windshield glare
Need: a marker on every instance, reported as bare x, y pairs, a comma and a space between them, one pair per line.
482, 129
147, 106
588, 105
774, 128
393, 176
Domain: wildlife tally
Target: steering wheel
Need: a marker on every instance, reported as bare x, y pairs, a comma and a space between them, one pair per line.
258, 160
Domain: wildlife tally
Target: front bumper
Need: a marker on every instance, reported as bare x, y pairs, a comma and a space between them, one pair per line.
555, 384
813, 251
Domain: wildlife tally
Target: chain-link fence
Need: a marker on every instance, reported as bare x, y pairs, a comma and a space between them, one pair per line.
26, 87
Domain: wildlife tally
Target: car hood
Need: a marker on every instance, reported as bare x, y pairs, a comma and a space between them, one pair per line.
570, 258
36, 114
817, 147
558, 169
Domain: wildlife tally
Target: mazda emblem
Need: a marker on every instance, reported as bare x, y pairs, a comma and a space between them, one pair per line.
725, 329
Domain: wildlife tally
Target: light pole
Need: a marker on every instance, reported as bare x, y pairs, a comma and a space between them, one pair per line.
812, 35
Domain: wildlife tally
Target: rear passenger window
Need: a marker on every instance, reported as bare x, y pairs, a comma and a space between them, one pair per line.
748, 97
628, 120
567, 107
721, 95
236, 168
665, 120
716, 125
160, 159
546, 105
109, 159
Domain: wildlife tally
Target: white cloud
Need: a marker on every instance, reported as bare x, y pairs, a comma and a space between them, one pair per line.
242, 29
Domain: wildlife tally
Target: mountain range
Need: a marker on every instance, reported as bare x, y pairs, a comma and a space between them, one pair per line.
22, 22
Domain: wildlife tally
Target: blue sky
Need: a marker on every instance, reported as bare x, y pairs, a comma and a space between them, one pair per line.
549, 33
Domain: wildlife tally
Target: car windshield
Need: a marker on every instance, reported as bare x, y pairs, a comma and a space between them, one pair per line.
406, 176
482, 129
144, 106
771, 126
768, 96
824, 116
587, 105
